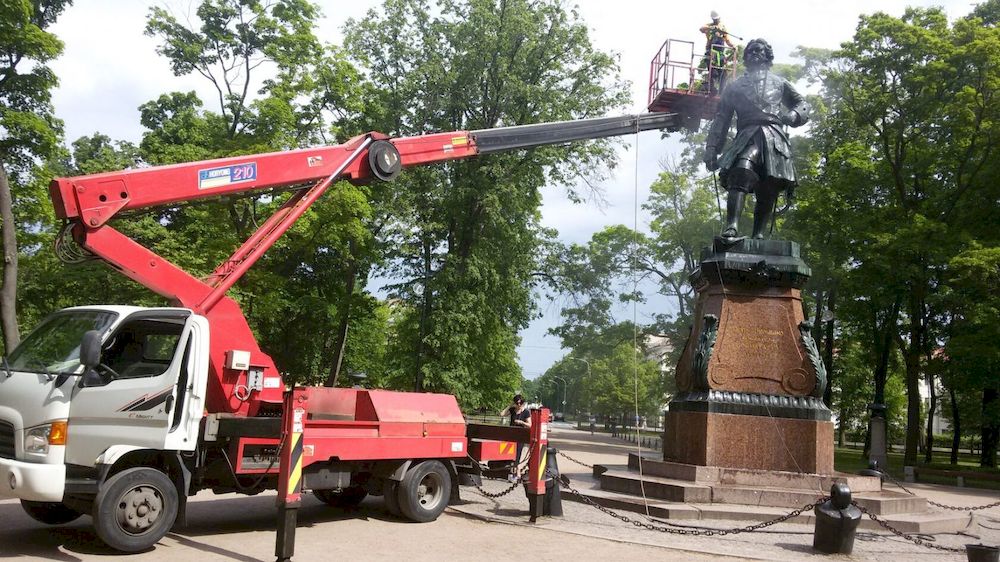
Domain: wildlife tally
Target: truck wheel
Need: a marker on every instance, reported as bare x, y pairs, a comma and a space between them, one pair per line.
50, 513
424, 491
348, 497
134, 509
390, 492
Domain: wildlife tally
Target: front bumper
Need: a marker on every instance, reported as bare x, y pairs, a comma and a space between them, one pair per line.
32, 481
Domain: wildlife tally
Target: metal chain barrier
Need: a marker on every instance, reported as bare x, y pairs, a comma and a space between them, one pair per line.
510, 489
915, 540
687, 531
941, 505
513, 486
581, 463
756, 526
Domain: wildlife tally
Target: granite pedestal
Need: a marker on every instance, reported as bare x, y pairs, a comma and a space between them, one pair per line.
750, 380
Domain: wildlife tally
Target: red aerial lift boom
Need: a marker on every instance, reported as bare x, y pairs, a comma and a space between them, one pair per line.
88, 203
340, 443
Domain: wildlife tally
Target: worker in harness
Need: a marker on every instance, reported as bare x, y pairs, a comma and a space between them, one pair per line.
717, 44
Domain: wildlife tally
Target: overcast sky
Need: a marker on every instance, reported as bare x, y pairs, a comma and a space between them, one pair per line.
109, 68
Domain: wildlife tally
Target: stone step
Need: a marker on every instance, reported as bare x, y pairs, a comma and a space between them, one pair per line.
655, 487
748, 477
660, 488
929, 522
892, 503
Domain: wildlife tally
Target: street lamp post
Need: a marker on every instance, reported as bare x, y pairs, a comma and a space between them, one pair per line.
565, 386
591, 406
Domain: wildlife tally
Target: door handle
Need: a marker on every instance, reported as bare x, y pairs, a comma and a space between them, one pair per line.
169, 404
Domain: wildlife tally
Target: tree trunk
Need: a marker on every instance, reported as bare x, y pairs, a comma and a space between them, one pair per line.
884, 348
350, 281
867, 448
956, 418
911, 358
929, 449
831, 303
990, 428
425, 312
8, 293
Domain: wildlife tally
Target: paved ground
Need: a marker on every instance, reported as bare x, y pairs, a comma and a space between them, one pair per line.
241, 528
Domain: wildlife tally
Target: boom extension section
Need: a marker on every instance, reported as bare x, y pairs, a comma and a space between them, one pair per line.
87, 203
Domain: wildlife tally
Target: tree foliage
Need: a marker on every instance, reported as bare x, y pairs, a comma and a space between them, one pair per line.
461, 239
29, 131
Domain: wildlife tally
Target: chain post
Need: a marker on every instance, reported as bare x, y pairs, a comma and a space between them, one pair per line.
536, 463
290, 473
941, 505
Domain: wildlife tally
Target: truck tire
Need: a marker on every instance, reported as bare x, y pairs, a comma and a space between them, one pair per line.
424, 491
347, 497
50, 513
135, 508
390, 493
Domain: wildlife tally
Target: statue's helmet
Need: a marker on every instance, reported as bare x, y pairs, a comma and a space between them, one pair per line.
715, 16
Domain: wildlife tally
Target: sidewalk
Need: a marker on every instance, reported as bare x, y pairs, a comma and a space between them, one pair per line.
784, 541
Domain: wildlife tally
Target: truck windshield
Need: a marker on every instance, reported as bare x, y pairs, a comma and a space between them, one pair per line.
54, 346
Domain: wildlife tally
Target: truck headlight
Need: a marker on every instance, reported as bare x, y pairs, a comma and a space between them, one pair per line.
37, 439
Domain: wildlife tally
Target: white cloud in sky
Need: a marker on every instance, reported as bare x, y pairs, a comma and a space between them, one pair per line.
110, 67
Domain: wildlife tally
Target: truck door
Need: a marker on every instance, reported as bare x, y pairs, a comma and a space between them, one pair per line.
146, 370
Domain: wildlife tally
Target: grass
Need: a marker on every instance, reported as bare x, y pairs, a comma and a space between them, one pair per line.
850, 460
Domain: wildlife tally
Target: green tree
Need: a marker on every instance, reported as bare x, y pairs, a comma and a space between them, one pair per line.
29, 130
971, 350
47, 284
461, 239
278, 87
914, 116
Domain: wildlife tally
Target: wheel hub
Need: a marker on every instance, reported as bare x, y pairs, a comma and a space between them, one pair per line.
139, 509
429, 491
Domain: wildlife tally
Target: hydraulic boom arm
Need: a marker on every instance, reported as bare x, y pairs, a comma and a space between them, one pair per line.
89, 202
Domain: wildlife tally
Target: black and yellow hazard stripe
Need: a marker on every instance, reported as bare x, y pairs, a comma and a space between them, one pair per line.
543, 459
295, 475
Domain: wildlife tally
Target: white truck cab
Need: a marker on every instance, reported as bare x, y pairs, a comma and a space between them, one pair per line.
66, 430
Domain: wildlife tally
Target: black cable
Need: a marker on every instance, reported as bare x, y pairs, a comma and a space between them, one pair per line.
251, 487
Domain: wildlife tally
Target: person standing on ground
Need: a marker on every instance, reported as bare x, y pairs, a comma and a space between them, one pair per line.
520, 416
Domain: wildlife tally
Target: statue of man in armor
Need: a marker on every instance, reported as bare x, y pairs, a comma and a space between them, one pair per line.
759, 160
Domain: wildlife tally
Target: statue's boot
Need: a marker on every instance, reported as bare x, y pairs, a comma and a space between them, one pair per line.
734, 208
767, 197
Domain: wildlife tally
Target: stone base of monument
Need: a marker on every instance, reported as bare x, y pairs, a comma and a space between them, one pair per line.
750, 442
687, 491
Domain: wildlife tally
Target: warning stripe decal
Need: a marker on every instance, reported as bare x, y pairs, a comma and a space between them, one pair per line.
295, 478
541, 466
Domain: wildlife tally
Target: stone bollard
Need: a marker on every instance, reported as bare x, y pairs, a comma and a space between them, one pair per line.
836, 522
909, 475
981, 553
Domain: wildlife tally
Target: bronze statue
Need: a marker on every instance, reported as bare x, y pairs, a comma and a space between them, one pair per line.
759, 160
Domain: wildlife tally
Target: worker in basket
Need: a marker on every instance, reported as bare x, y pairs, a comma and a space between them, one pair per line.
717, 49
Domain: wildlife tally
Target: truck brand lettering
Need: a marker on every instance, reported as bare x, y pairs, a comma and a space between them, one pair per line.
227, 175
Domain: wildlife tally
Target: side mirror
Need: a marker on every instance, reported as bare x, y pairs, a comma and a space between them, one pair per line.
90, 349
